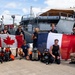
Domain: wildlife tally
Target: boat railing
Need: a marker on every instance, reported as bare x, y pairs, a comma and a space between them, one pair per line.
49, 15
66, 15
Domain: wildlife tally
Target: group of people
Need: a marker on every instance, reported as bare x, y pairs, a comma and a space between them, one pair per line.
3, 51
6, 55
54, 50
24, 50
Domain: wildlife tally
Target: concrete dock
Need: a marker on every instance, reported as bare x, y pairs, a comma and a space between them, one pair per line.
24, 67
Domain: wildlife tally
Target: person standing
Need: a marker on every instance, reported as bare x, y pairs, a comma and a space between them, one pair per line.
35, 37
55, 52
5, 30
53, 30
19, 32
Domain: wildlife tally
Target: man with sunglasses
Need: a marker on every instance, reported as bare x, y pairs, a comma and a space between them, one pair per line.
19, 32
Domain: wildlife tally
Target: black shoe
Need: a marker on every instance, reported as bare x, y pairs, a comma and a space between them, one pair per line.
1, 61
47, 63
71, 62
20, 58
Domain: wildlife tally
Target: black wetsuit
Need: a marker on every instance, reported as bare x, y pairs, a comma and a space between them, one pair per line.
55, 52
53, 31
35, 40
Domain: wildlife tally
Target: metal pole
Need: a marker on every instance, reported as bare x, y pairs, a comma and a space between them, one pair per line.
31, 11
13, 17
13, 21
2, 22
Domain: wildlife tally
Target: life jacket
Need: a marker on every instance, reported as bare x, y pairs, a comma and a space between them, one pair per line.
12, 57
30, 52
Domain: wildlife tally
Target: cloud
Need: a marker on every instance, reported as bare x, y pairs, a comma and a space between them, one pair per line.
6, 12
60, 3
17, 19
25, 10
48, 4
54, 4
8, 19
35, 0
11, 5
36, 10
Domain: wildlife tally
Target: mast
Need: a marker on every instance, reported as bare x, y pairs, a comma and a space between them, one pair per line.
31, 12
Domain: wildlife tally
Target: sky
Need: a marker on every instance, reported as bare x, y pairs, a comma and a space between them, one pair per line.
22, 7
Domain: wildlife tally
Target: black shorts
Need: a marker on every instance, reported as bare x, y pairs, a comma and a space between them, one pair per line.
34, 44
56, 54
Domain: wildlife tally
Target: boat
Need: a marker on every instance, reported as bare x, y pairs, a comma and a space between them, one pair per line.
64, 19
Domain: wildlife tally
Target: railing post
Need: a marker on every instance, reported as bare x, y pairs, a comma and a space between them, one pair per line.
59, 14
67, 15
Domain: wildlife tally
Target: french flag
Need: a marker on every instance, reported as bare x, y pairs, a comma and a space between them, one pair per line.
12, 41
66, 43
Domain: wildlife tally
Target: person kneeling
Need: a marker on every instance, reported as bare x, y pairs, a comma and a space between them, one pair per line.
24, 51
55, 52
8, 54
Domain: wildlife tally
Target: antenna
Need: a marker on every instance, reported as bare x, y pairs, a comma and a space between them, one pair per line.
31, 11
